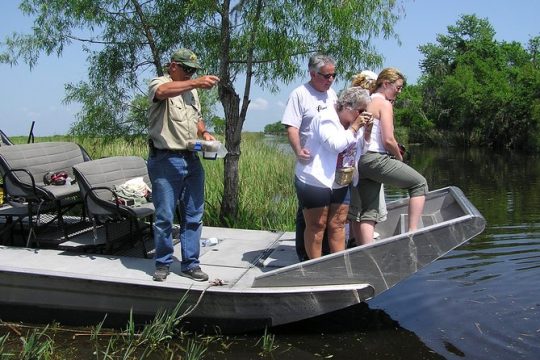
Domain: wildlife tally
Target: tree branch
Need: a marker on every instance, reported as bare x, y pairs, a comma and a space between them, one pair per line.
250, 62
150, 37
93, 41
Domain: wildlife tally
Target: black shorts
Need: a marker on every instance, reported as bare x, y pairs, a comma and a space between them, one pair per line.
312, 197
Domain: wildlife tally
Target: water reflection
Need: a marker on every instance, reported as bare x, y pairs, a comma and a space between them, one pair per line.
357, 332
354, 333
478, 302
482, 298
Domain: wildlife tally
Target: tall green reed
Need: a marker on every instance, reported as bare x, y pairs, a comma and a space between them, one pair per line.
267, 199
267, 342
37, 345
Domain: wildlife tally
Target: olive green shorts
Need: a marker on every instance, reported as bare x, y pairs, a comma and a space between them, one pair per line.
376, 169
355, 207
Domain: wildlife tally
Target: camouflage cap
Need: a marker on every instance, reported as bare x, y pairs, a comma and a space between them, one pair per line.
186, 57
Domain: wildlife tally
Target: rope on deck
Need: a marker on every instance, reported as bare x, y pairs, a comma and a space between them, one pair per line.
215, 282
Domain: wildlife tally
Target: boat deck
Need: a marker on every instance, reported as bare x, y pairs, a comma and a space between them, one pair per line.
239, 252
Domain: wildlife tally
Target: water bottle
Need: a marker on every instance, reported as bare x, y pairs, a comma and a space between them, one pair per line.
209, 242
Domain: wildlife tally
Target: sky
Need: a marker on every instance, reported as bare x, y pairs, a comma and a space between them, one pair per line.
37, 95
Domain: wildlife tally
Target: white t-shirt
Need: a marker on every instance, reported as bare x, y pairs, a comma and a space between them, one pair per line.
303, 105
328, 139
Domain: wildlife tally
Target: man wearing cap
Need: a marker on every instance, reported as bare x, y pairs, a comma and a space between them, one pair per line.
176, 173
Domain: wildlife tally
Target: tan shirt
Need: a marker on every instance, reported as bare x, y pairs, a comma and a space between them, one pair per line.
173, 121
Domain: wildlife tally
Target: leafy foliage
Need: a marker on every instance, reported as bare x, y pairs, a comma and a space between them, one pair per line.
476, 90
240, 41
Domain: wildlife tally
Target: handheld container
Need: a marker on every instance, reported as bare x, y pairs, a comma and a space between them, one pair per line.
209, 149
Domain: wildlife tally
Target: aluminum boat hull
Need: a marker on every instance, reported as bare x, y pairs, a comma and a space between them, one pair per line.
255, 278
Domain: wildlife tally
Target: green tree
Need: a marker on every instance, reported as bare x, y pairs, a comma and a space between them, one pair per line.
479, 90
274, 128
441, 61
243, 42
410, 115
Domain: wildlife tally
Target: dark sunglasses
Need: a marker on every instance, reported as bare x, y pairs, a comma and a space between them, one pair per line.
328, 76
187, 69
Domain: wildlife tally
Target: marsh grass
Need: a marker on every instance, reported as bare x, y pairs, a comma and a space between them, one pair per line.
37, 344
4, 352
194, 350
162, 338
267, 342
267, 199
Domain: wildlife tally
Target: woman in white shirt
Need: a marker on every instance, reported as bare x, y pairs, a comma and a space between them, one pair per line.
332, 144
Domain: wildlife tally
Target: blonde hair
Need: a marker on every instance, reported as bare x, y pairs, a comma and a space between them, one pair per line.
391, 75
366, 80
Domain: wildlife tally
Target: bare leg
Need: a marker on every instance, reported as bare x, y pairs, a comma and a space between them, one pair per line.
336, 227
354, 228
314, 232
416, 206
367, 228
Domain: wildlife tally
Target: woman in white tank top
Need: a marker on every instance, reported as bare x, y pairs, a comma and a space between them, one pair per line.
383, 162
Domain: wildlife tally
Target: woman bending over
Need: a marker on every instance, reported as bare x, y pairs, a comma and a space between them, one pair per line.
321, 188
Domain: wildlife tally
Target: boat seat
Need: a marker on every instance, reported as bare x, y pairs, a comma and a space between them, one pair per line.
97, 180
23, 168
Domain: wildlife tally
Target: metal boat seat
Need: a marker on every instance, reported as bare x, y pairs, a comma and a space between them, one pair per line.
97, 179
23, 168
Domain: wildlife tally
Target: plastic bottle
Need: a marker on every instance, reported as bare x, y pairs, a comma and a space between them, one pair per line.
203, 145
209, 242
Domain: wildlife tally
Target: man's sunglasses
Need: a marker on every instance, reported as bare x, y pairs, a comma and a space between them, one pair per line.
187, 69
328, 76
